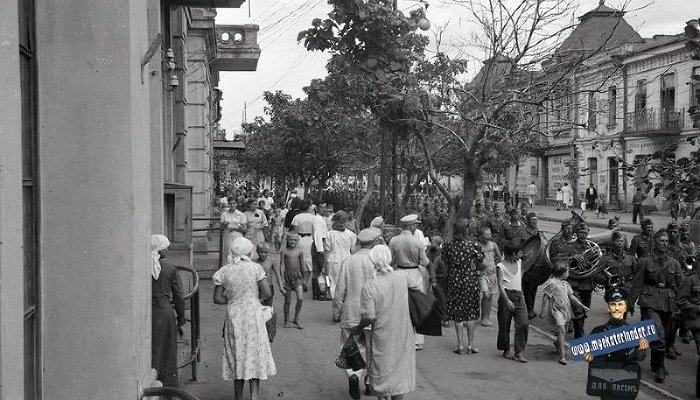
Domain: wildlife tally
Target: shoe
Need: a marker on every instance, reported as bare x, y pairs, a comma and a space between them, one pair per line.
507, 354
670, 354
486, 323
675, 350
563, 361
419, 347
354, 387
660, 375
519, 358
459, 350
472, 350
686, 339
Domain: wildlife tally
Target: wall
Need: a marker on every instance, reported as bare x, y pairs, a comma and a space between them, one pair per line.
11, 260
95, 199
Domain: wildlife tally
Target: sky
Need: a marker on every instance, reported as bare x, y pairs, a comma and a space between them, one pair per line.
285, 65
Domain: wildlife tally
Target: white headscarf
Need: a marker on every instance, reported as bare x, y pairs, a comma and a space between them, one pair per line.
377, 222
241, 249
158, 243
381, 258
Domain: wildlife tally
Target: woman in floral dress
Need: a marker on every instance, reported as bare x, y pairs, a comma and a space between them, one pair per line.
464, 261
247, 355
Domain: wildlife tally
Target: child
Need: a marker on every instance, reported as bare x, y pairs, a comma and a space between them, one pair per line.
487, 281
557, 298
291, 267
602, 210
273, 274
511, 304
277, 224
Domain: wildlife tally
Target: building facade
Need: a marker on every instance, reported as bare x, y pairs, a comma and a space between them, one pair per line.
95, 133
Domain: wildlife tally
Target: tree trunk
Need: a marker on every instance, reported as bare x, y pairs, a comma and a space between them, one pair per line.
470, 177
365, 199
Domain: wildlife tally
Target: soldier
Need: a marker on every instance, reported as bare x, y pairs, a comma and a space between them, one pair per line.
689, 304
536, 274
618, 262
514, 229
617, 298
643, 243
583, 287
655, 285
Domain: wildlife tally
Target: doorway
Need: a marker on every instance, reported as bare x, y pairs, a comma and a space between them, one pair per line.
613, 182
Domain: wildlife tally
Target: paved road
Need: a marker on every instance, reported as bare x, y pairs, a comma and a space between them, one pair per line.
306, 371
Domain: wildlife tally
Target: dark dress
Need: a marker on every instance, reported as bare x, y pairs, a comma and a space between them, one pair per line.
463, 260
164, 323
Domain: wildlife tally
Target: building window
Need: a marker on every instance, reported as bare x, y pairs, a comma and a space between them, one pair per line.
593, 171
592, 121
695, 87
640, 99
30, 199
612, 105
668, 92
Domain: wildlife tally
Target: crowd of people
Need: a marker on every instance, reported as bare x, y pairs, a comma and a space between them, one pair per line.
367, 273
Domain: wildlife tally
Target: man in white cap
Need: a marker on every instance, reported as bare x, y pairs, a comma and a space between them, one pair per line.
409, 255
355, 271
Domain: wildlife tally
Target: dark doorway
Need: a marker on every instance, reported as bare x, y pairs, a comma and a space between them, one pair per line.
613, 190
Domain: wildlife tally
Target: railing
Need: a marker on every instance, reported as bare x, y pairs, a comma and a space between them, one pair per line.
168, 391
214, 226
193, 297
650, 120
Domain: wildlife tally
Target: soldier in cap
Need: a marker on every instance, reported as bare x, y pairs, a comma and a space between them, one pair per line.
689, 305
617, 262
655, 285
617, 298
583, 287
409, 255
643, 243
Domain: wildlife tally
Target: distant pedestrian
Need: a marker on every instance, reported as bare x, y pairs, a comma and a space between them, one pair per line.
247, 355
558, 198
532, 193
384, 305
342, 244
165, 285
464, 261
638, 205
567, 196
506, 193
591, 197
511, 304
256, 223
234, 223
557, 297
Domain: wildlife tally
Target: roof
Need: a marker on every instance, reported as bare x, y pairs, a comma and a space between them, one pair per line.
601, 28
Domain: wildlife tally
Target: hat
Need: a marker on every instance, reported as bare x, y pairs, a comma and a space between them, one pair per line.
377, 222
581, 225
646, 221
616, 294
531, 215
369, 235
410, 219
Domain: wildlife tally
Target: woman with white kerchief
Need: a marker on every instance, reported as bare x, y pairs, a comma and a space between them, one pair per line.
384, 304
165, 283
247, 355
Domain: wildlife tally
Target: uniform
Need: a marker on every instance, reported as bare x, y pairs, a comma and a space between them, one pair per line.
621, 264
641, 246
583, 288
656, 282
689, 305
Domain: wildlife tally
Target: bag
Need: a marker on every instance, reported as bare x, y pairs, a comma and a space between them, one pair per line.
350, 356
266, 313
324, 282
426, 316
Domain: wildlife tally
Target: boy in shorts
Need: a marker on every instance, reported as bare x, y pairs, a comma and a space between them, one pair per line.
488, 281
291, 267
272, 272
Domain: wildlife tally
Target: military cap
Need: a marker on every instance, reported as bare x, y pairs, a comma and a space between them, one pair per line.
369, 235
646, 221
616, 293
531, 215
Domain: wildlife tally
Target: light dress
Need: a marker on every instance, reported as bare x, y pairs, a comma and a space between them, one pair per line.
341, 243
556, 305
236, 226
256, 221
247, 353
392, 356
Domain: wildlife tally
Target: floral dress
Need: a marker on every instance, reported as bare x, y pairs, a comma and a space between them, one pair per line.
247, 353
464, 261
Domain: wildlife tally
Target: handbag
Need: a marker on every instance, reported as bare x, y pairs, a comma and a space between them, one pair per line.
324, 282
266, 313
426, 316
350, 356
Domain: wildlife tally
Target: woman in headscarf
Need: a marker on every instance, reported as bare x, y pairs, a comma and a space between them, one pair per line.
165, 282
384, 305
234, 223
256, 221
247, 355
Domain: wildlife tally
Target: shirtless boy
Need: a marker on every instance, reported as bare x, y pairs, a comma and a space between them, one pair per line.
291, 267
273, 274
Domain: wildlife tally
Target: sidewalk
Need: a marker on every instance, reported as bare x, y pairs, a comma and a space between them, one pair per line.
550, 213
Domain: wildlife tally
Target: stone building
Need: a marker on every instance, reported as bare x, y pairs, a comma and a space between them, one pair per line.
107, 107
628, 100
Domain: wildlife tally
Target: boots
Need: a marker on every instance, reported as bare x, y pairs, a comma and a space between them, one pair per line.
657, 365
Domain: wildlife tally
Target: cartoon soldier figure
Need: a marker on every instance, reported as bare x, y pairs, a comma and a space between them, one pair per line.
621, 364
689, 304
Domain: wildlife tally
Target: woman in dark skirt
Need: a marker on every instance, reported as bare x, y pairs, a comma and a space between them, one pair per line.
165, 283
464, 261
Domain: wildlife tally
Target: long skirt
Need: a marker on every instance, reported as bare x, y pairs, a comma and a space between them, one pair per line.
164, 343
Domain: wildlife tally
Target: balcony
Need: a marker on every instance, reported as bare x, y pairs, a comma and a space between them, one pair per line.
655, 121
236, 48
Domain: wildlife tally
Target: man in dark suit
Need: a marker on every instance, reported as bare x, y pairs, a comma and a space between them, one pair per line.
591, 196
